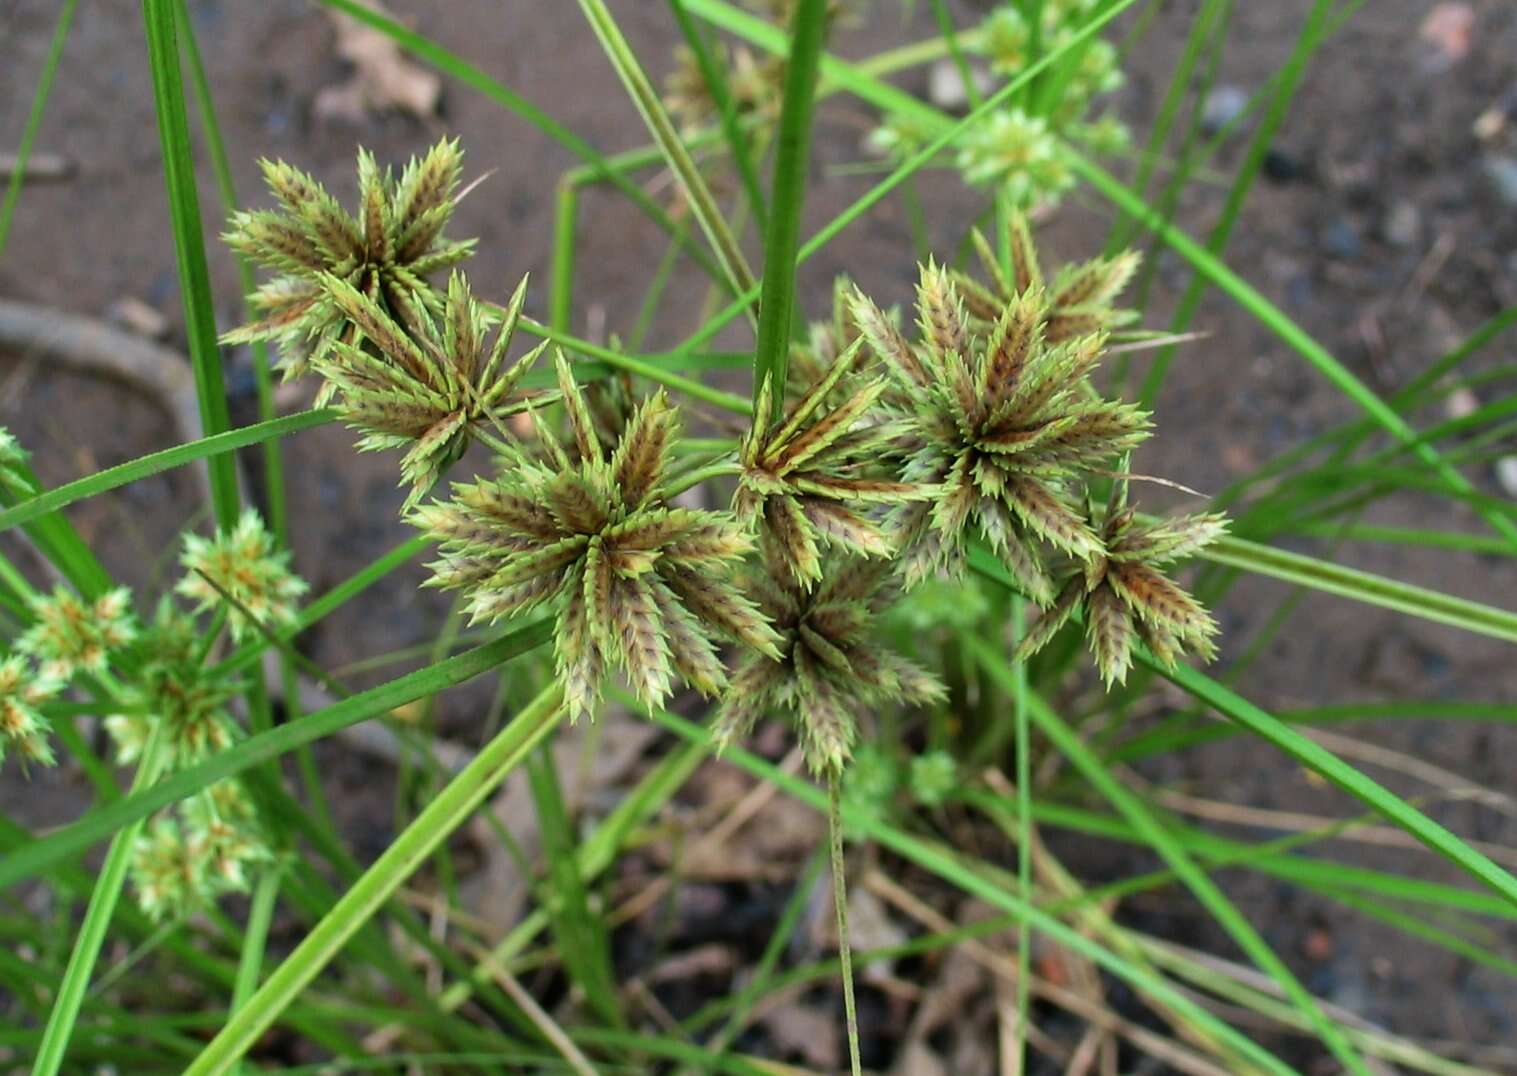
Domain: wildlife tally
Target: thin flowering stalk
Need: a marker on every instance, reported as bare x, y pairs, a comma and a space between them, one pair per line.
108, 886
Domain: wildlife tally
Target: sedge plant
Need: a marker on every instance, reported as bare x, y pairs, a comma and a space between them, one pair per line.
900, 543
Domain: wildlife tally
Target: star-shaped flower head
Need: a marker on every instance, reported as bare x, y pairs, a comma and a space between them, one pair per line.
72, 635
754, 85
24, 728
832, 665
806, 480
429, 390
244, 565
636, 582
386, 252
1078, 303
1019, 154
1002, 421
174, 688
1124, 595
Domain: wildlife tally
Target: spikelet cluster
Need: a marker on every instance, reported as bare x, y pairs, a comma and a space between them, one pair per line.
72, 635
1124, 596
636, 582
1016, 149
432, 388
174, 688
806, 481
386, 251
831, 667
245, 566
1004, 423
202, 846
754, 83
188, 858
24, 728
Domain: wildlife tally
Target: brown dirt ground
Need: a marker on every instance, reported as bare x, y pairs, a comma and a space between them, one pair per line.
1373, 127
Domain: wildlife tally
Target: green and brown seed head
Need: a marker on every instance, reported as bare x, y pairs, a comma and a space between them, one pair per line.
386, 252
832, 665
1078, 302
636, 582
810, 479
24, 728
73, 635
1003, 422
431, 388
246, 565
1125, 597
175, 687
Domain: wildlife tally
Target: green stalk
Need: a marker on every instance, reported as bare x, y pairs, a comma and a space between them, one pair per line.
76, 978
1198, 882
840, 905
34, 118
561, 284
808, 33
702, 205
445, 813
27, 859
189, 248
260, 916
732, 130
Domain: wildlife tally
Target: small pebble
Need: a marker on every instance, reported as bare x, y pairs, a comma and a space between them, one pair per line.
1502, 172
1222, 105
1403, 225
1340, 239
1461, 402
945, 85
1283, 167
1506, 475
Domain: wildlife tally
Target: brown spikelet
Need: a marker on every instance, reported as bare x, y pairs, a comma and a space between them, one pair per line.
1110, 631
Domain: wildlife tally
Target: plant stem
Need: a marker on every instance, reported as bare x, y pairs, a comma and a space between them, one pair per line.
643, 95
65, 1013
808, 32
445, 813
840, 905
189, 248
34, 118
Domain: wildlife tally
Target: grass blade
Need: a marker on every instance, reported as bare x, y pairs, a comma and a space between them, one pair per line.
1197, 881
34, 118
189, 248
1363, 586
445, 813
702, 205
123, 474
26, 860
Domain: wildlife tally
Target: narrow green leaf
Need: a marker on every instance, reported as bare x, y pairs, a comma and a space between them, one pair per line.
189, 248
26, 860
449, 809
34, 118
158, 462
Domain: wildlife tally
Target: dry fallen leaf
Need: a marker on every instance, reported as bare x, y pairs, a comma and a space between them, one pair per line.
383, 76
